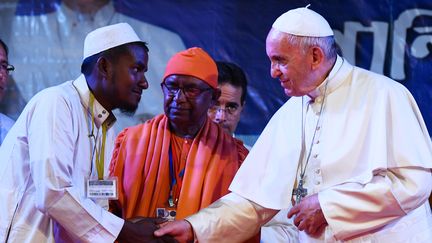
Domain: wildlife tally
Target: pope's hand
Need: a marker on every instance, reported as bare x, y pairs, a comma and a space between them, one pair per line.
309, 216
141, 229
181, 230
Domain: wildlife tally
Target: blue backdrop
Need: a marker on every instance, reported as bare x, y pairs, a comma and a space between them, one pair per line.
392, 37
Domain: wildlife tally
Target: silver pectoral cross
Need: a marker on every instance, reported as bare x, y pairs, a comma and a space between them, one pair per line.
299, 192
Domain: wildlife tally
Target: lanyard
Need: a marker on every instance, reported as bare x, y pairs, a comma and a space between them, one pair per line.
101, 152
172, 200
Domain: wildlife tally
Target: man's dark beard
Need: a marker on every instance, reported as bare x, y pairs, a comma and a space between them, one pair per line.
129, 111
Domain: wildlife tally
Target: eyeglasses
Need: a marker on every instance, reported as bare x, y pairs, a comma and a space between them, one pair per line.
231, 110
189, 92
6, 67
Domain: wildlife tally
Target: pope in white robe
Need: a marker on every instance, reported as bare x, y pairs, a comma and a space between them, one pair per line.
356, 139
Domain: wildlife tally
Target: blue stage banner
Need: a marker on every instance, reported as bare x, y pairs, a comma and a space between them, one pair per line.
390, 37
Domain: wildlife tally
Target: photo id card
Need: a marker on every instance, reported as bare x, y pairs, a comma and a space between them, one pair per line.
102, 189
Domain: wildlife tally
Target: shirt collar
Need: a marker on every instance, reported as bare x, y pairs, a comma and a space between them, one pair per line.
100, 113
334, 80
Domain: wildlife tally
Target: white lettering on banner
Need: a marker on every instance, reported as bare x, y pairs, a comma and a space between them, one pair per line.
348, 42
380, 30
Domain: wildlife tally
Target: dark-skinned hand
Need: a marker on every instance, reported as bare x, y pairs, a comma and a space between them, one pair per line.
141, 229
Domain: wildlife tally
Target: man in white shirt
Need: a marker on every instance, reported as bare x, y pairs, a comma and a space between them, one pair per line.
5, 69
54, 161
350, 146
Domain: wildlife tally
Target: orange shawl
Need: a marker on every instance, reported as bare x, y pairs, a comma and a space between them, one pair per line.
141, 163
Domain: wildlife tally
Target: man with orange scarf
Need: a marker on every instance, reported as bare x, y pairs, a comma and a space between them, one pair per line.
179, 162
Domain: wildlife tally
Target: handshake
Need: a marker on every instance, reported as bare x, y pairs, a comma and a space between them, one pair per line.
141, 229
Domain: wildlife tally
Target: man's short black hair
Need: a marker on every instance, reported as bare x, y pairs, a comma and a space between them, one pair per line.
232, 74
4, 47
111, 54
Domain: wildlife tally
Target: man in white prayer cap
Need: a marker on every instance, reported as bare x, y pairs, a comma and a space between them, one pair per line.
54, 161
349, 152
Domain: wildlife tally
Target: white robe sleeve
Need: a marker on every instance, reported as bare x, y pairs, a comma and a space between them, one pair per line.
51, 144
231, 217
353, 208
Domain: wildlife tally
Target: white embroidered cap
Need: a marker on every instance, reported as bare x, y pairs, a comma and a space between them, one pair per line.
303, 22
107, 37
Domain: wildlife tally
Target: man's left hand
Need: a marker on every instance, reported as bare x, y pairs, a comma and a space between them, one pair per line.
309, 216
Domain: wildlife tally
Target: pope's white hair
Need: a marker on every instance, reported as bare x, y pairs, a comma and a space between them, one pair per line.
327, 44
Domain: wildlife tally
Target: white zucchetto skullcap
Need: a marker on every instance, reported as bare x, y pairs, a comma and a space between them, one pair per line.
107, 37
303, 22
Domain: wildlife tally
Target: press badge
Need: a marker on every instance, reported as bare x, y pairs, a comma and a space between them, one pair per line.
102, 189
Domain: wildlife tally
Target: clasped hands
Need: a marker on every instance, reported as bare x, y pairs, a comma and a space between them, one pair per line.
141, 229
308, 216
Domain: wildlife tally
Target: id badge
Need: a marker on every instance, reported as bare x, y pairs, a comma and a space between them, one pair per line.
102, 189
166, 213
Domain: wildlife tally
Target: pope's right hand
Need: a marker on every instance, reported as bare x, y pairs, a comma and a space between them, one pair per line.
181, 230
141, 229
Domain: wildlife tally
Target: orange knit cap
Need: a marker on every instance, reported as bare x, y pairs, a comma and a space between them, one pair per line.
193, 62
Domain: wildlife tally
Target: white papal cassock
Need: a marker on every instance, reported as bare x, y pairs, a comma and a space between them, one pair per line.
370, 164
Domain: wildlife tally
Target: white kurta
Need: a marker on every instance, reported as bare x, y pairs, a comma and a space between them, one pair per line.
370, 162
44, 162
5, 125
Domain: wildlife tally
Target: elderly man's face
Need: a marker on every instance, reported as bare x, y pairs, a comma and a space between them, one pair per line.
227, 110
291, 65
187, 99
3, 72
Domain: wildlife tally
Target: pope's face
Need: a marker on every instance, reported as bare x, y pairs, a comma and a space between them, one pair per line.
290, 64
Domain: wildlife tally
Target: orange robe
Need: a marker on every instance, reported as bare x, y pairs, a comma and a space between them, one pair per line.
141, 163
